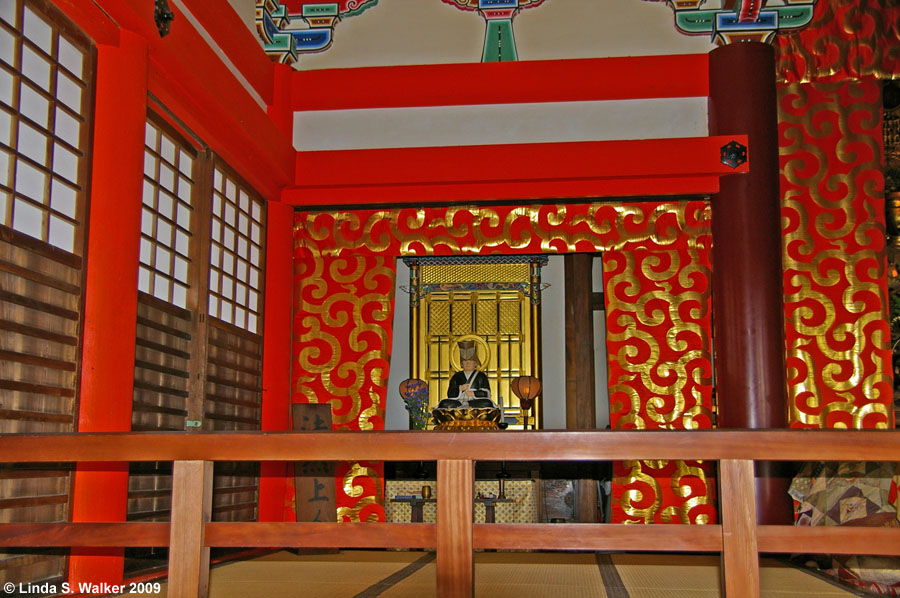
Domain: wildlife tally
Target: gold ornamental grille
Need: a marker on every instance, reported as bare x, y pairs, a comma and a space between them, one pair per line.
474, 273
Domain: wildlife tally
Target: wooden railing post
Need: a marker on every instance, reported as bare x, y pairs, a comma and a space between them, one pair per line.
455, 518
740, 553
191, 506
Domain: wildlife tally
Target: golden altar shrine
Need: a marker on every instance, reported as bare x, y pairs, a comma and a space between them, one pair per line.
467, 419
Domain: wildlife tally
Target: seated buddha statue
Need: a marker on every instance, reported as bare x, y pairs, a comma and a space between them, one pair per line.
469, 387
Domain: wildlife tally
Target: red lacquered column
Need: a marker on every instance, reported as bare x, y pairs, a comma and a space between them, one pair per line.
276, 396
100, 490
748, 311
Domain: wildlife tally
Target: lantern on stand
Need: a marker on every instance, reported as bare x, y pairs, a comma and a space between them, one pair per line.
526, 388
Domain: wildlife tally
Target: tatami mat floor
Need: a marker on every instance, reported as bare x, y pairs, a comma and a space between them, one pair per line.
392, 574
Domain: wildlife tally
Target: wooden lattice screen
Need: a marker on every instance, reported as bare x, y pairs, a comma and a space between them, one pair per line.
233, 402
46, 80
201, 253
40, 320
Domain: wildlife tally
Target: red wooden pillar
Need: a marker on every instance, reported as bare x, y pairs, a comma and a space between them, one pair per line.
280, 109
100, 490
276, 398
748, 312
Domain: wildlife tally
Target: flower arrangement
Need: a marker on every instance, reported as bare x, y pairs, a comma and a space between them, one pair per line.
415, 395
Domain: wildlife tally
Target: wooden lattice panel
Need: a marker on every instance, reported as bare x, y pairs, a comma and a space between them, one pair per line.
40, 318
233, 402
162, 368
46, 80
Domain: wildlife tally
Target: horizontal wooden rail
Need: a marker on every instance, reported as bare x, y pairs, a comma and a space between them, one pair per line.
322, 535
575, 445
84, 534
506, 536
605, 536
846, 539
737, 537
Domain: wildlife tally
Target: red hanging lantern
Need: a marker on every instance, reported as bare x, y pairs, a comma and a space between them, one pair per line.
526, 388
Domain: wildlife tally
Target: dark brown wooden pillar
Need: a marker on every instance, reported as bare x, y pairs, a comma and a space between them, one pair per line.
581, 411
748, 310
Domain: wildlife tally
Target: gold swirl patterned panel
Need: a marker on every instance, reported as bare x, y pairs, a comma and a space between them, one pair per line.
660, 376
344, 272
847, 38
342, 339
361, 485
836, 330
559, 228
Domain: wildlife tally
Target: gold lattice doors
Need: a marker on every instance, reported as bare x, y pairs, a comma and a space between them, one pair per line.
489, 303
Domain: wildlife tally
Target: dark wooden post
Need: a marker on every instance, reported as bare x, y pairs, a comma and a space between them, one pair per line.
455, 531
581, 411
748, 300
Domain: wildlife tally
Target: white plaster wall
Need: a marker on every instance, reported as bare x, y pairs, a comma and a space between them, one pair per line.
435, 126
395, 417
601, 375
553, 350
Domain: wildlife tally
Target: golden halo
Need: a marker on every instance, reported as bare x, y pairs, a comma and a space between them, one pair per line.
481, 349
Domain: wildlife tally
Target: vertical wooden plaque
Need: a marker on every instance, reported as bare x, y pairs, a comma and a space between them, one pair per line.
314, 484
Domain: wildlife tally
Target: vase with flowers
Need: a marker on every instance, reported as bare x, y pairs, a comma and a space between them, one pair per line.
415, 395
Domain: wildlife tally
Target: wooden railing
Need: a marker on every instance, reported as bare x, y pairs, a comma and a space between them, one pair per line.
454, 536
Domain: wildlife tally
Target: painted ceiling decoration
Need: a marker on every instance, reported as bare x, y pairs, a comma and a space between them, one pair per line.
290, 28
293, 27
499, 40
741, 20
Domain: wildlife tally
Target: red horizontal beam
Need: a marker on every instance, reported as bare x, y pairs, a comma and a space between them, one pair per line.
92, 20
189, 78
242, 46
262, 156
693, 156
314, 197
186, 45
584, 79
513, 171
